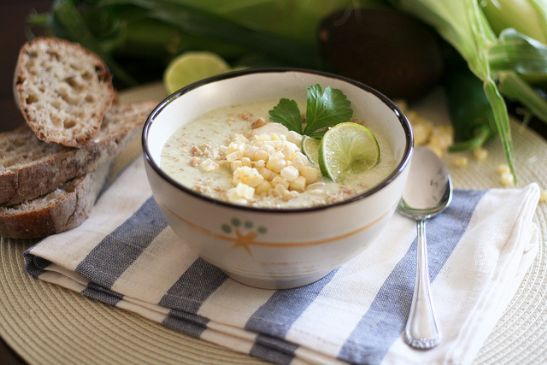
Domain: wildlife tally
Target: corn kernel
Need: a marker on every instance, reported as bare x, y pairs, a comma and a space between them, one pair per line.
298, 184
208, 165
278, 180
245, 191
266, 173
311, 174
480, 154
411, 115
288, 195
260, 155
503, 169
276, 164
543, 196
240, 194
460, 162
234, 165
247, 175
263, 188
441, 137
506, 180
246, 161
422, 133
289, 173
233, 156
280, 190
436, 150
294, 137
402, 104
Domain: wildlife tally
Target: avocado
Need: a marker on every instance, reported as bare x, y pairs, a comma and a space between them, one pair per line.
389, 50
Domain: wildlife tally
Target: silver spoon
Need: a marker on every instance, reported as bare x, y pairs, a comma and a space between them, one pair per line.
428, 192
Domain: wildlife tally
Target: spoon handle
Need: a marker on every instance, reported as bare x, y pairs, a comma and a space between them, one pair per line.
421, 331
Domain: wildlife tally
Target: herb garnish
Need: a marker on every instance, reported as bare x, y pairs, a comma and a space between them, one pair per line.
324, 109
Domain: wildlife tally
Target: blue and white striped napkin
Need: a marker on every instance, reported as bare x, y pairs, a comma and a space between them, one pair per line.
479, 249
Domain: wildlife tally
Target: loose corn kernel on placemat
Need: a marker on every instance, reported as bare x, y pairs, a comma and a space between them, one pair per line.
49, 325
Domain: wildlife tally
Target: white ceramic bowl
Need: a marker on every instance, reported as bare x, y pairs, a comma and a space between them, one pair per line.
275, 248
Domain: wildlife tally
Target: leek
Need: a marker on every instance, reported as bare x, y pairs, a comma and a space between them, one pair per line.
525, 16
512, 59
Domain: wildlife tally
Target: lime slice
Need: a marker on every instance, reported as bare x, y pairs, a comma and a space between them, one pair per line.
346, 149
190, 67
310, 147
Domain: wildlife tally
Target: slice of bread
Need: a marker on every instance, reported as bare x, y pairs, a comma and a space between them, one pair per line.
30, 168
63, 90
65, 208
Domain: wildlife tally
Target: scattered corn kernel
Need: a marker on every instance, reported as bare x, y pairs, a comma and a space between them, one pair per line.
422, 132
460, 161
507, 180
480, 154
436, 150
402, 104
441, 136
543, 196
503, 169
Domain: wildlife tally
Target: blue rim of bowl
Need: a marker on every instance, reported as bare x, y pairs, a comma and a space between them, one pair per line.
234, 74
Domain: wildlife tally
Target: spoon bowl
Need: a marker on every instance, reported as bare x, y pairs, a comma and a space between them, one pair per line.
428, 189
427, 193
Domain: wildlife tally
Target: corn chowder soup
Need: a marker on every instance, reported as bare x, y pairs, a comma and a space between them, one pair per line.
237, 154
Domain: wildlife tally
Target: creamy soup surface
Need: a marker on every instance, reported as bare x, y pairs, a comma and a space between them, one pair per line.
237, 154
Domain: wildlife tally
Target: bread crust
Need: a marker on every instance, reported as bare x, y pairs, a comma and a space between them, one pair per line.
66, 210
42, 131
40, 177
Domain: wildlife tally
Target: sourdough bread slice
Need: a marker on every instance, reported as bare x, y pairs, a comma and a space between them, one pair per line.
30, 168
65, 208
63, 90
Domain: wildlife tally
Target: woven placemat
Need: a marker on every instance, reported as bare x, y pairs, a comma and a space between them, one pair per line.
46, 324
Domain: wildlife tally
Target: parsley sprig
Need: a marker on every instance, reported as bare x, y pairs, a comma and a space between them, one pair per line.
324, 109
